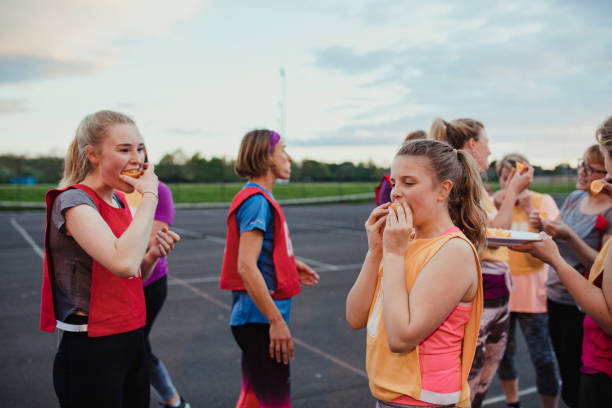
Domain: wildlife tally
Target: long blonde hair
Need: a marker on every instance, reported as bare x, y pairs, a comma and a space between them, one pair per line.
91, 132
458, 166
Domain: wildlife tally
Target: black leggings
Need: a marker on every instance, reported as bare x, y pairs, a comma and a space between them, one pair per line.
565, 327
107, 371
263, 378
595, 390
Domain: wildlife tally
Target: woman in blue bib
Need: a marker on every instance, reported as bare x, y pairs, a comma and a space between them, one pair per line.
261, 270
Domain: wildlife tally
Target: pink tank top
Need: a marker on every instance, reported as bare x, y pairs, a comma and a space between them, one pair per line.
440, 357
440, 354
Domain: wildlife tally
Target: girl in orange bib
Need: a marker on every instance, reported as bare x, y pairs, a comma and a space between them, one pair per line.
419, 292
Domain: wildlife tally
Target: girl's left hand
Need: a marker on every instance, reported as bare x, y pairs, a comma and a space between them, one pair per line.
164, 243
307, 276
545, 250
398, 230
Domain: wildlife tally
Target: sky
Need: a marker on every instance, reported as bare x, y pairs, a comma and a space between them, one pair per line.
196, 75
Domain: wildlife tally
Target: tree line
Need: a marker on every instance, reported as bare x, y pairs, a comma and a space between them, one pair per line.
176, 167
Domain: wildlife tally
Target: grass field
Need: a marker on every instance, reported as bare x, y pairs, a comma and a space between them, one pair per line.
198, 193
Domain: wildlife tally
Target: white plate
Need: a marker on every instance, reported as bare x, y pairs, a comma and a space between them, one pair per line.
515, 238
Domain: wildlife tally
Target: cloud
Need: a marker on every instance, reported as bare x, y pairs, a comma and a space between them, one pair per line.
12, 106
186, 132
389, 132
75, 35
349, 62
17, 68
537, 63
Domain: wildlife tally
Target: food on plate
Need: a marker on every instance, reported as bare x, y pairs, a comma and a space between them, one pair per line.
497, 232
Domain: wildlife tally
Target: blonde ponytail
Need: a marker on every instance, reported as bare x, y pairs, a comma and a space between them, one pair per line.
438, 130
91, 132
457, 132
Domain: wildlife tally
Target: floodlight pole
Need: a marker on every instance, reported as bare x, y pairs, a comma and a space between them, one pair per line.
283, 104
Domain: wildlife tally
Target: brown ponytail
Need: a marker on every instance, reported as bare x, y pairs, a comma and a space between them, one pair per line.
604, 135
465, 199
91, 132
457, 132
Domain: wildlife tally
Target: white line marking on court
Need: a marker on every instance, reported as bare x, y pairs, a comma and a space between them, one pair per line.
187, 233
215, 239
319, 266
295, 340
315, 263
28, 238
216, 278
493, 400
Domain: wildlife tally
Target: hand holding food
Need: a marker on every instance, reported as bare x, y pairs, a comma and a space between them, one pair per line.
519, 180
536, 217
374, 226
399, 231
143, 180
521, 168
556, 228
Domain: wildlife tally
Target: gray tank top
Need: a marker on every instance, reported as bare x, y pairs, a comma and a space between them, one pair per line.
71, 273
584, 226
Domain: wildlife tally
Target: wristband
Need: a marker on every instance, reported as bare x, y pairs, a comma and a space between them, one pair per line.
150, 192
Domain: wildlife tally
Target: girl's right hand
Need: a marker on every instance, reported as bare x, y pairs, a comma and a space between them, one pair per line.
399, 231
535, 220
607, 188
374, 227
147, 182
556, 228
520, 180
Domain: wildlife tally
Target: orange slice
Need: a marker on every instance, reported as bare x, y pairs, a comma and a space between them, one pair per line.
394, 207
497, 232
521, 168
543, 214
134, 173
597, 186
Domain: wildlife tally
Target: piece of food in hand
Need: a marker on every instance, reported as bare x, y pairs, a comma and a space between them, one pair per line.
543, 215
521, 168
597, 186
497, 232
134, 173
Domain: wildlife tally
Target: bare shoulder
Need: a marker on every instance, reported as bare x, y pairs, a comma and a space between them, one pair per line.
458, 253
458, 246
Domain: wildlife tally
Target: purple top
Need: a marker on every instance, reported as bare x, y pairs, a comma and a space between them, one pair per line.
164, 213
384, 194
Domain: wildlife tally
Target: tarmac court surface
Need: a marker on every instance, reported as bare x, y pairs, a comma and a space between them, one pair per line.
192, 334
